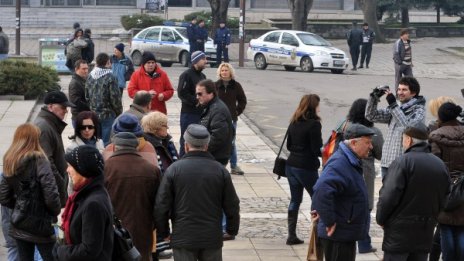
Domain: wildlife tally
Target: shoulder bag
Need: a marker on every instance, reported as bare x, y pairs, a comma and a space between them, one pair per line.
280, 163
123, 247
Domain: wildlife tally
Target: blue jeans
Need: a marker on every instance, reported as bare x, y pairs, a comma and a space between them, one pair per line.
185, 120
365, 245
10, 242
105, 127
233, 154
452, 242
300, 179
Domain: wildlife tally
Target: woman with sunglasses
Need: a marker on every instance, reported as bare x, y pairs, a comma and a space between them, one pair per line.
86, 132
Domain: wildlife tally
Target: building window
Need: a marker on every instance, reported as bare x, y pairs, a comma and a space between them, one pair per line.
205, 3
180, 3
13, 2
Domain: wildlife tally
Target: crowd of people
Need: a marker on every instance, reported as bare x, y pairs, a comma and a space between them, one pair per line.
125, 164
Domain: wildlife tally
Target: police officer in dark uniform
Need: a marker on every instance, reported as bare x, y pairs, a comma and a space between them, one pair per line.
202, 36
222, 40
366, 48
192, 36
354, 38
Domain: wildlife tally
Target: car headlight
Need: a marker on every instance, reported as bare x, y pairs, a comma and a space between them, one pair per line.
322, 53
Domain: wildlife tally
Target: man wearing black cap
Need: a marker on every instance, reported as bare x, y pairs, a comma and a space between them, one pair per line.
190, 111
366, 48
206, 190
222, 42
340, 196
192, 35
51, 125
88, 53
122, 66
354, 39
413, 194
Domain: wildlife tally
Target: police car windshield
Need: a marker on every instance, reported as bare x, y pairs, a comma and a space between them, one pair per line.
182, 31
313, 39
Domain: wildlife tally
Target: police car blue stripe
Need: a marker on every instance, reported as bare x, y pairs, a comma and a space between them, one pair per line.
278, 51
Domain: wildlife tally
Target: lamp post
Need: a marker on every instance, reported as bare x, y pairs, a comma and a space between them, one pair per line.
241, 34
18, 27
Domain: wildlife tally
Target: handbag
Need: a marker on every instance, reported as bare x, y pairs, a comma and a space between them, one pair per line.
314, 249
123, 247
331, 145
280, 163
456, 195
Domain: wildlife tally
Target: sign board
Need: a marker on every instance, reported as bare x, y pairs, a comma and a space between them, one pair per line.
156, 5
51, 54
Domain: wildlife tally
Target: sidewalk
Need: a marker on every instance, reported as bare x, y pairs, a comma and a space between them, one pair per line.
263, 199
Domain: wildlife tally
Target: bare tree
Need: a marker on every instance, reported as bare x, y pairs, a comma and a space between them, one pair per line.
218, 12
369, 8
300, 10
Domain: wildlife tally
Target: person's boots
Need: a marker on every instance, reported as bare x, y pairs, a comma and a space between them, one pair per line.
292, 219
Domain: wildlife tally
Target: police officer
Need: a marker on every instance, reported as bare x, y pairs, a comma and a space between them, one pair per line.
222, 40
192, 36
366, 48
202, 36
354, 38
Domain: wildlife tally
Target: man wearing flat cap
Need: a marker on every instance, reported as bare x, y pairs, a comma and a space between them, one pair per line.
340, 196
206, 190
413, 194
51, 125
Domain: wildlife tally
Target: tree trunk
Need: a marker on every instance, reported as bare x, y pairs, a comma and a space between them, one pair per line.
404, 17
438, 13
369, 8
300, 10
218, 12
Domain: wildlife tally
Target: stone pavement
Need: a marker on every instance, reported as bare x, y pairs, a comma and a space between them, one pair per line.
263, 199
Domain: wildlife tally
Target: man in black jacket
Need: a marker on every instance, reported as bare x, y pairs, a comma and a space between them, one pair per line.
51, 125
216, 118
77, 89
206, 190
412, 195
190, 112
354, 39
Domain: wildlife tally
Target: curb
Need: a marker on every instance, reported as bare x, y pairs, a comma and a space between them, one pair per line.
450, 51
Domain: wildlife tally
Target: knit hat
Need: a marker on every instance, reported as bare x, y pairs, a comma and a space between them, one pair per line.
76, 25
356, 130
448, 111
196, 135
58, 97
120, 47
127, 122
86, 160
125, 139
418, 131
197, 56
148, 56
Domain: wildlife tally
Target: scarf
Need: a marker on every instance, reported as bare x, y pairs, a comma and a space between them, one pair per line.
408, 104
69, 211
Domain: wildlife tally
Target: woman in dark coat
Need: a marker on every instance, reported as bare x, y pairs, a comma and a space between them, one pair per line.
87, 220
29, 188
448, 144
304, 143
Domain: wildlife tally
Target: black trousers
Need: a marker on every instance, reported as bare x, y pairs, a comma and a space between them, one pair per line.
389, 256
211, 254
354, 52
366, 50
26, 250
338, 251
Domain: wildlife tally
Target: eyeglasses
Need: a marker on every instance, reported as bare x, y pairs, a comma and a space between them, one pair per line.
199, 93
90, 127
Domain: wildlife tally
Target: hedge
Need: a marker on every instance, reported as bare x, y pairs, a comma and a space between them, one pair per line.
28, 79
140, 21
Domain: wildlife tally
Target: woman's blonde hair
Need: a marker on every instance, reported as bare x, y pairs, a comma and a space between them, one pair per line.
435, 104
154, 121
229, 66
26, 142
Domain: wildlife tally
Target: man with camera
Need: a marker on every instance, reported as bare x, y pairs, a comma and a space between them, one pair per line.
407, 111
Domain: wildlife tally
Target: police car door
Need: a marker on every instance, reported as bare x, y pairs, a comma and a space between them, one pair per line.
151, 42
271, 48
168, 45
288, 46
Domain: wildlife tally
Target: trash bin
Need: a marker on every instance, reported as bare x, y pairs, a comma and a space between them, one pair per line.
51, 53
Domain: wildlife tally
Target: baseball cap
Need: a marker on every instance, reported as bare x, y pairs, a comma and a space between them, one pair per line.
58, 97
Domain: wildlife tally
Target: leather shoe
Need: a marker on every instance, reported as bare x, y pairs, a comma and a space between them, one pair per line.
226, 237
372, 250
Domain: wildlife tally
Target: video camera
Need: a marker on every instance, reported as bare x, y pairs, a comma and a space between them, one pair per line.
379, 91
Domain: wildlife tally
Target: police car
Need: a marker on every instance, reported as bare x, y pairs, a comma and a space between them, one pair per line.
169, 44
296, 49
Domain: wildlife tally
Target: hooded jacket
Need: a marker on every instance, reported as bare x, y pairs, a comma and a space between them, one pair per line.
122, 68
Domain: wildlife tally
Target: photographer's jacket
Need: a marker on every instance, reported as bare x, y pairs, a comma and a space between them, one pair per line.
398, 117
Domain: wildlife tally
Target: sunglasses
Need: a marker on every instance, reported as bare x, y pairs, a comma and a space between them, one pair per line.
90, 127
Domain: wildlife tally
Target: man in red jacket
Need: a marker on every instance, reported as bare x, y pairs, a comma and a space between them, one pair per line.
150, 77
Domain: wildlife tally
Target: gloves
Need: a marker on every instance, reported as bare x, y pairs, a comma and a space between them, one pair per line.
391, 99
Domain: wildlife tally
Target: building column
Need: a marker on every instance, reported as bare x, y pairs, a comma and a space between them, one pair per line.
348, 5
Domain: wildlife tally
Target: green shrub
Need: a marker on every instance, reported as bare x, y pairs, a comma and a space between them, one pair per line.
140, 21
28, 79
232, 22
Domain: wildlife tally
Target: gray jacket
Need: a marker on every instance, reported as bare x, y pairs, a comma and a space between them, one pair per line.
399, 51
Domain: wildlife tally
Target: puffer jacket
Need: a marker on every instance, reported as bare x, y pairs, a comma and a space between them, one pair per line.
159, 83
448, 144
14, 185
413, 194
122, 68
340, 197
216, 118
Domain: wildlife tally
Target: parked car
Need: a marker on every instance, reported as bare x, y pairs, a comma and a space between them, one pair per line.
296, 49
169, 44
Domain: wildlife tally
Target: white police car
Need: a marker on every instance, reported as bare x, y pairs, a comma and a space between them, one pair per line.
296, 49
169, 44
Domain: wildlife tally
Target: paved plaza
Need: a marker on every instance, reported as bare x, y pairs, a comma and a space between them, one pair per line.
264, 199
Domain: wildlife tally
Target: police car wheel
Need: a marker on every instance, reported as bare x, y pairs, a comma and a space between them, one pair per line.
184, 58
166, 64
136, 58
260, 62
306, 64
289, 68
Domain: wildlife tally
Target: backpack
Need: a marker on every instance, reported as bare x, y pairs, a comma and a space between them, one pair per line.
331, 145
123, 247
74, 49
